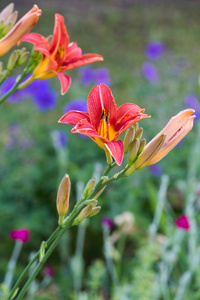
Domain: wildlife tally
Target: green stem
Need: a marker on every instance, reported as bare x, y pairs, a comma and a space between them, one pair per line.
14, 88
63, 229
51, 238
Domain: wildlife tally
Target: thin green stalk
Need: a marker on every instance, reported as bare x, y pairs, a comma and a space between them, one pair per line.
68, 224
31, 262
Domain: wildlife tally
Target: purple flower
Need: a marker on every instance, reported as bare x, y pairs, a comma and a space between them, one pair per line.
102, 75
22, 235
150, 72
76, 104
60, 138
154, 50
86, 75
49, 272
43, 96
191, 101
182, 223
107, 222
96, 76
156, 170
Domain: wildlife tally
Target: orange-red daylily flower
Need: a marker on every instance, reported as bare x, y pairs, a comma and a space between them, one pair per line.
175, 130
104, 122
59, 55
21, 28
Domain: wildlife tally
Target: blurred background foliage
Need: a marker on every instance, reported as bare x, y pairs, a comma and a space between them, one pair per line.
36, 151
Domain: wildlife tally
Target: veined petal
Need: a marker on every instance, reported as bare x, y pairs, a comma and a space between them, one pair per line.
116, 149
41, 44
73, 117
128, 111
60, 35
84, 127
122, 126
100, 98
81, 61
175, 130
72, 51
65, 81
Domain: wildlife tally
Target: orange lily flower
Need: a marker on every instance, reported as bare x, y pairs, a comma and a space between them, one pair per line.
175, 130
105, 122
59, 55
21, 28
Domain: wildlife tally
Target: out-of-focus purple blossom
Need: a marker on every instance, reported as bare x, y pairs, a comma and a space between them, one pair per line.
79, 104
150, 72
154, 50
43, 96
191, 101
107, 222
49, 272
96, 76
22, 235
86, 75
39, 91
156, 170
102, 75
183, 223
60, 138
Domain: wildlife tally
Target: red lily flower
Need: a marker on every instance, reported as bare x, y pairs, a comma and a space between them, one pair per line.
105, 122
59, 55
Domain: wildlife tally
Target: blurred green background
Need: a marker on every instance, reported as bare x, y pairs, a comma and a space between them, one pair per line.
31, 166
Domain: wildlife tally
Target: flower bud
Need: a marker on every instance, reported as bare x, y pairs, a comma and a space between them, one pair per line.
12, 60
135, 126
92, 201
23, 58
133, 151
142, 145
63, 197
89, 187
138, 133
95, 211
150, 151
129, 137
3, 74
86, 211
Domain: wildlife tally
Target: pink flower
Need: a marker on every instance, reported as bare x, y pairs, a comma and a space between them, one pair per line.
22, 235
49, 272
183, 223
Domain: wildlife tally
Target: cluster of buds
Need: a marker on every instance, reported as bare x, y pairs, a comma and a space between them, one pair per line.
17, 58
8, 17
133, 143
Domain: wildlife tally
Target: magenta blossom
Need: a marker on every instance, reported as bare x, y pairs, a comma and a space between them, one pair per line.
22, 235
108, 222
183, 223
49, 272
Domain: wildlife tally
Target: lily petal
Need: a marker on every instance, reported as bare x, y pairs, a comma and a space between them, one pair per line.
116, 149
100, 98
60, 35
81, 61
73, 117
41, 44
65, 81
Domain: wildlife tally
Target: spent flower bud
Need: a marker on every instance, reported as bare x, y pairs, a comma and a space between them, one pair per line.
63, 197
133, 151
129, 137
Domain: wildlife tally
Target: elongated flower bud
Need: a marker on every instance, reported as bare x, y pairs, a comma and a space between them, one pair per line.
133, 151
63, 198
129, 137
21, 28
12, 60
138, 133
89, 187
95, 211
86, 211
142, 145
